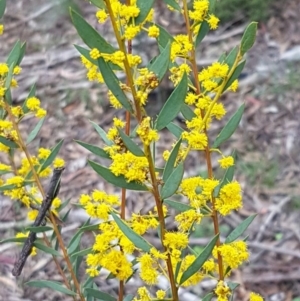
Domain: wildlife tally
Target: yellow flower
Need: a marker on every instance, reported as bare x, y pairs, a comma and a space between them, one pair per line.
131, 31
160, 294
230, 198
196, 140
56, 203
222, 291
32, 214
255, 297
45, 173
226, 162
1, 29
17, 180
17, 70
95, 53
44, 153
3, 69
148, 272
101, 15
92, 272
153, 31
2, 91
58, 162
234, 86
84, 199
4, 167
213, 21
176, 240
40, 113
233, 254
145, 132
33, 103
187, 218
17, 111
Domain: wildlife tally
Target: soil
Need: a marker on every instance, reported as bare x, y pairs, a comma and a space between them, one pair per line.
267, 142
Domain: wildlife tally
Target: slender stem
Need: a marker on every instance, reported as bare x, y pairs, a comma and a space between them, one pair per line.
207, 149
161, 218
128, 71
23, 147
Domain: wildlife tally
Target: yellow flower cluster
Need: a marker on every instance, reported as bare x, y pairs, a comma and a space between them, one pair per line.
99, 204
198, 190
230, 198
107, 253
20, 192
233, 254
132, 167
33, 104
146, 133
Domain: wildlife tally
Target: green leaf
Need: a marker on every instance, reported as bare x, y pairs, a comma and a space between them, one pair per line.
63, 205
230, 127
74, 243
93, 227
99, 295
236, 73
248, 38
128, 298
98, 151
232, 285
8, 79
56, 286
52, 156
35, 131
22, 53
99, 3
145, 7
173, 105
171, 161
199, 261
8, 187
161, 63
173, 182
208, 297
82, 252
13, 239
113, 84
136, 239
164, 37
2, 7
38, 229
177, 205
231, 57
86, 53
173, 4
130, 145
31, 94
14, 55
175, 129
187, 112
101, 133
89, 35
203, 31
46, 249
240, 229
8, 143
119, 181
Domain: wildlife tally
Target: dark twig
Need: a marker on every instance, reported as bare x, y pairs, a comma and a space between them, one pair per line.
40, 220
